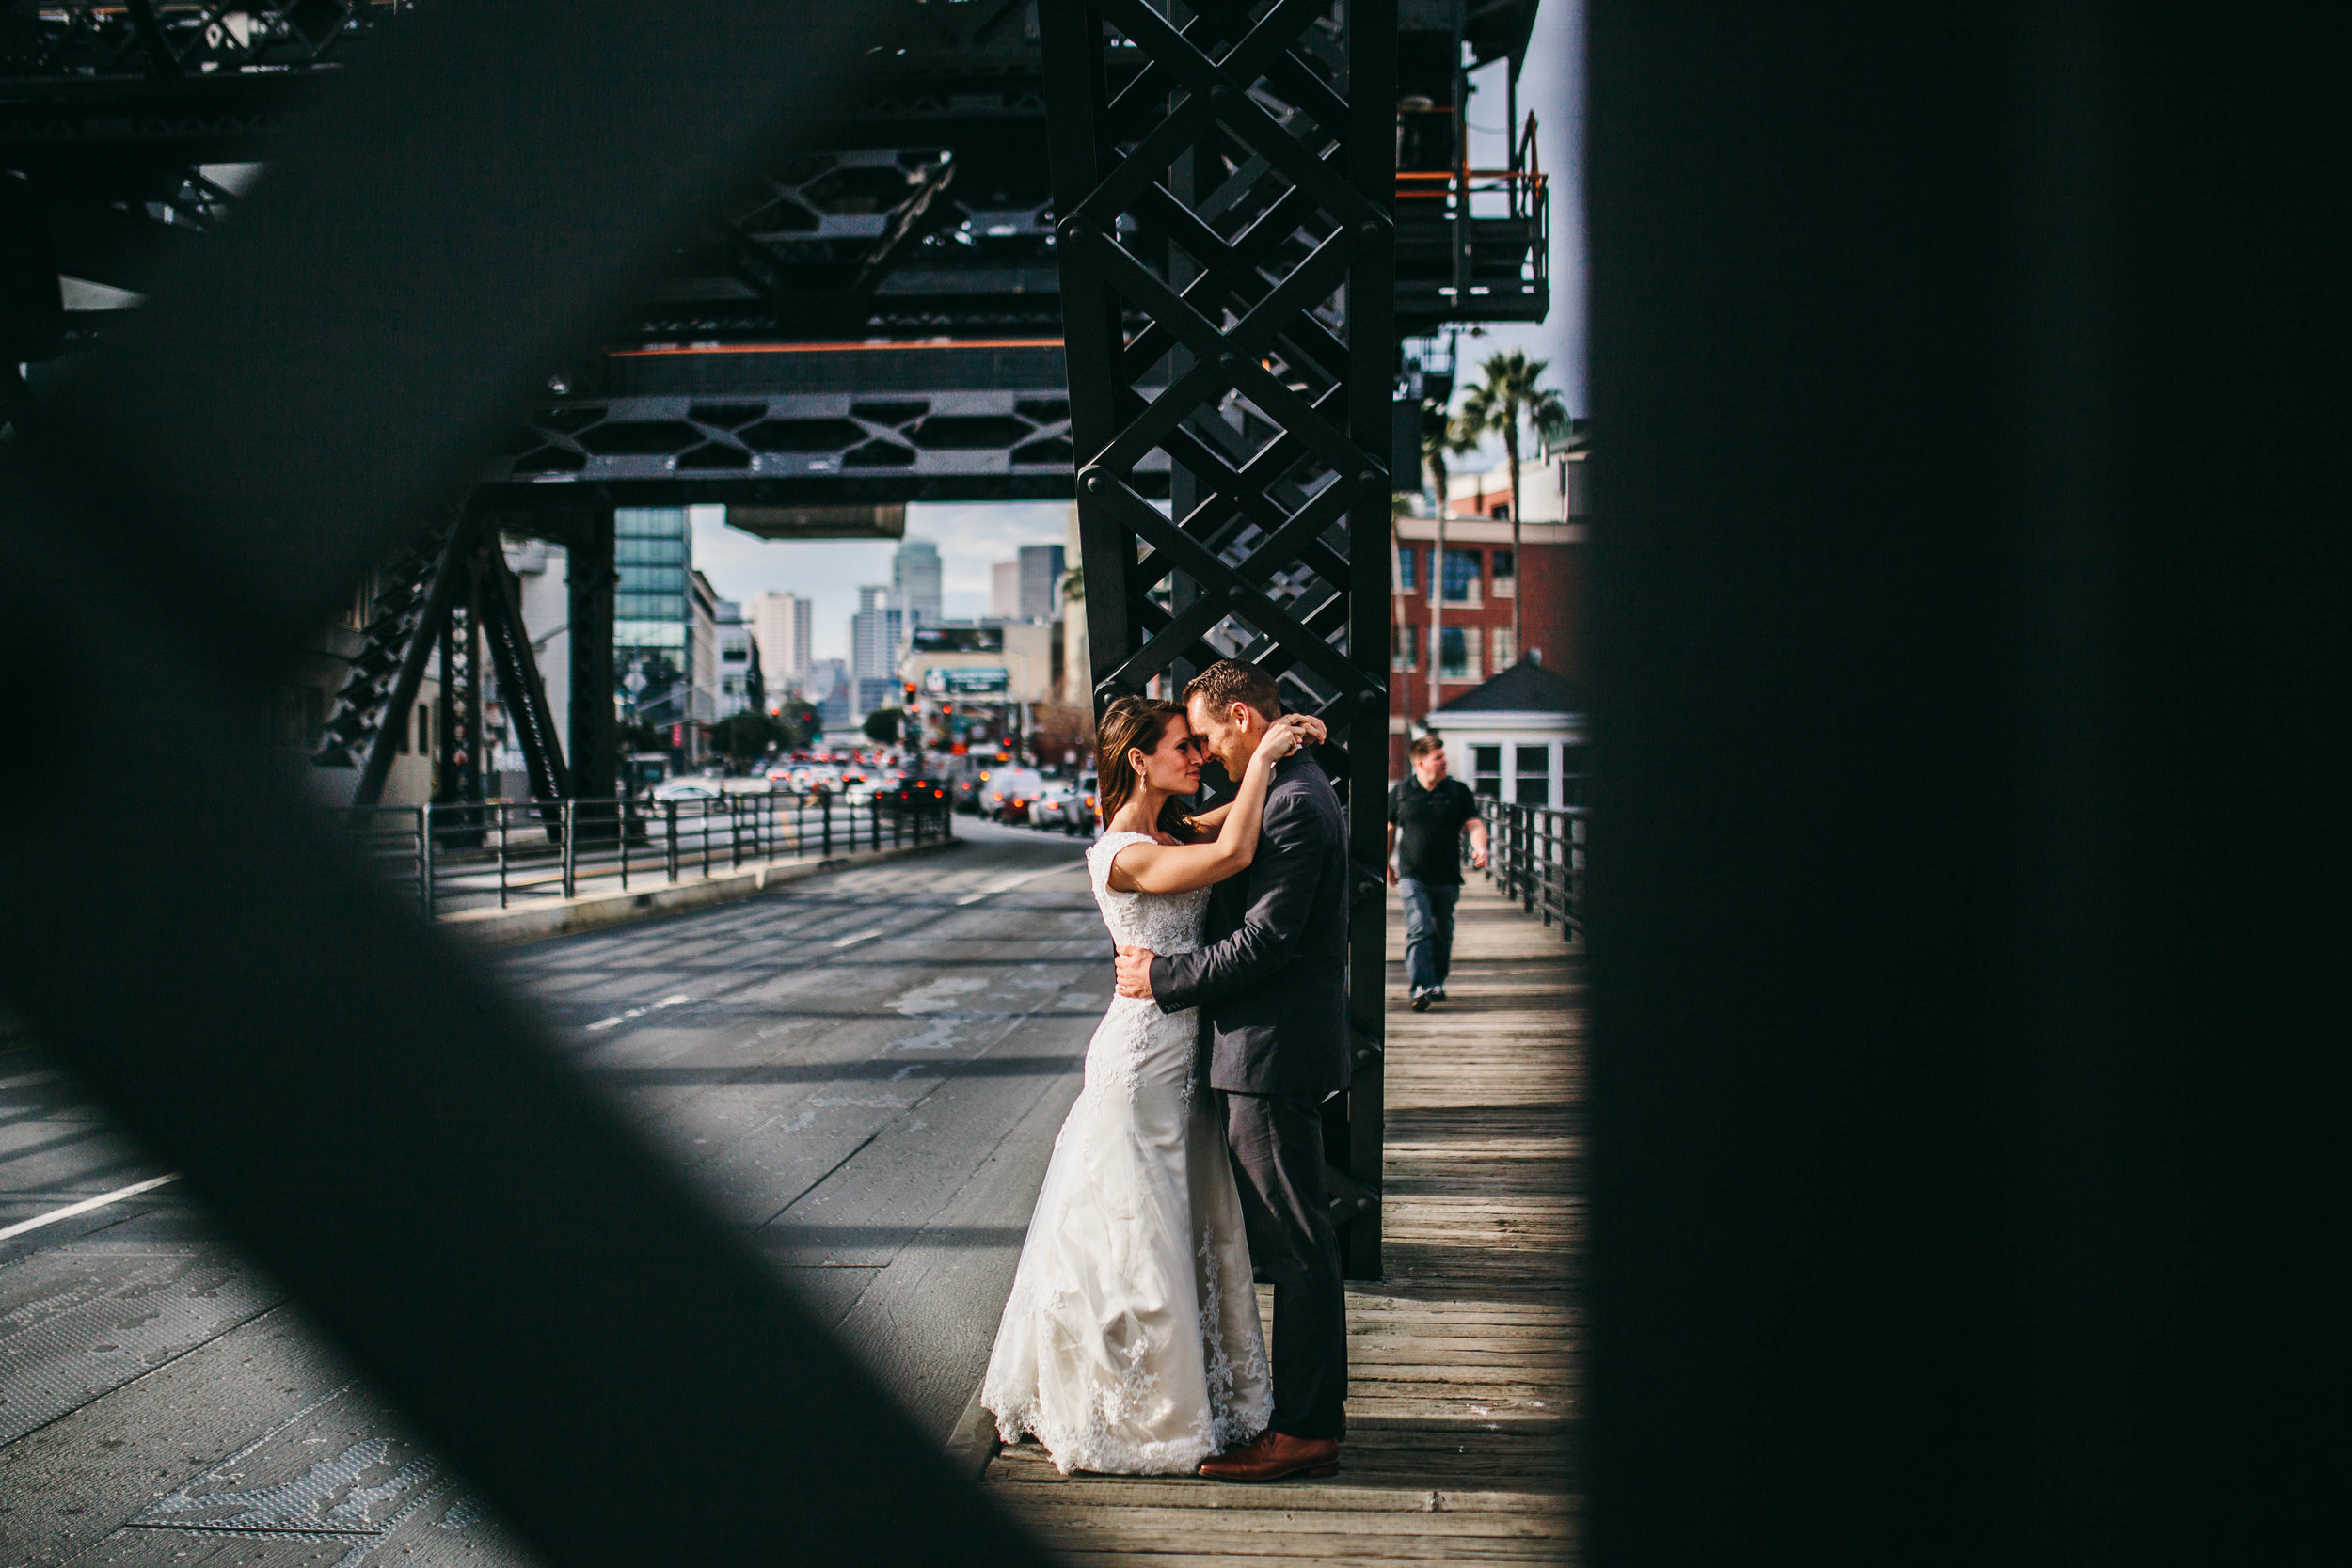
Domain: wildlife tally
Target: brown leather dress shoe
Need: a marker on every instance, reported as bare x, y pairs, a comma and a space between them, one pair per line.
1275, 1457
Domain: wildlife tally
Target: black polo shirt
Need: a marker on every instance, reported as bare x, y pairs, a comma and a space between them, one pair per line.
1430, 844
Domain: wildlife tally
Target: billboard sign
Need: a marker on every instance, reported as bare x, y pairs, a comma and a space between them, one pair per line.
993, 680
958, 640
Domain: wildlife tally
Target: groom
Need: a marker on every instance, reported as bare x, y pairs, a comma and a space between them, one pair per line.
1271, 983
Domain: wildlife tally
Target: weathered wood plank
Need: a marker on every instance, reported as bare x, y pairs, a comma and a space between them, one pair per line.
1433, 1552
1150, 1522
1466, 1362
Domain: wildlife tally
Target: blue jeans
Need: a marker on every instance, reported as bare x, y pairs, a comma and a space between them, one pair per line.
1428, 931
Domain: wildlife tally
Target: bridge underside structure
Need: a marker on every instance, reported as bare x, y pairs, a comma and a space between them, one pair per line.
1159, 257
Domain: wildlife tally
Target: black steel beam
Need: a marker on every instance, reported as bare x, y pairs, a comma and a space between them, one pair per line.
594, 723
773, 449
1223, 185
443, 590
521, 691
1372, 346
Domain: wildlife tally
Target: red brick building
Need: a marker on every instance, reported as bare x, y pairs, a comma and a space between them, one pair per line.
1482, 577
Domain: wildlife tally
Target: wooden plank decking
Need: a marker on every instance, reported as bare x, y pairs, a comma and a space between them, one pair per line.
1465, 1382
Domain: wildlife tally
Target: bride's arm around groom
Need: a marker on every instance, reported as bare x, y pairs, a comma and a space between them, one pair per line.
1270, 979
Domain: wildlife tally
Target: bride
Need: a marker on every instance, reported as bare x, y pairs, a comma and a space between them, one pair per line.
1131, 1341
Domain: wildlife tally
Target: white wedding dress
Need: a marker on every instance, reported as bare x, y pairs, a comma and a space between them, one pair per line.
1131, 1341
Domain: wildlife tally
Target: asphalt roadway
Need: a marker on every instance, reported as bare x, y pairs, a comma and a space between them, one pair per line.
866, 1071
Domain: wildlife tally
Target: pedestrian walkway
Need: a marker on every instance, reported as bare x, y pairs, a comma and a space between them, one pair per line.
1466, 1382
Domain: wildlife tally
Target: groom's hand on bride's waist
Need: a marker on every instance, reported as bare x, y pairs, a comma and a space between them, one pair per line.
1135, 972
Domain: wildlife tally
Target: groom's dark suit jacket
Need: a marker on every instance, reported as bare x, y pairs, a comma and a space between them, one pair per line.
1270, 976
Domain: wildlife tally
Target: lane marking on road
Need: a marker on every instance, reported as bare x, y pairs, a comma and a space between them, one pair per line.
87, 1205
861, 936
1008, 884
638, 1012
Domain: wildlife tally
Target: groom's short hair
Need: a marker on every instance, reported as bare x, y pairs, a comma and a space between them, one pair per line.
1229, 681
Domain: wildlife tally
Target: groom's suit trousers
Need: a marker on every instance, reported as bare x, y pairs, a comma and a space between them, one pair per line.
1277, 1145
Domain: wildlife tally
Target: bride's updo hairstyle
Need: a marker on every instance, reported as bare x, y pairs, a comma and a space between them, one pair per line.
1139, 724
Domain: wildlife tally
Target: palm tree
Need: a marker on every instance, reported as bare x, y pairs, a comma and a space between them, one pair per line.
1510, 399
1440, 438
1400, 508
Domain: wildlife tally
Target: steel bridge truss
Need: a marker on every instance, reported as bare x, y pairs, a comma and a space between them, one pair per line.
783, 448
1223, 175
450, 596
97, 41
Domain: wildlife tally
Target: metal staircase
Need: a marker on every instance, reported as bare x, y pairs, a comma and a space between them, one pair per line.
451, 594
372, 709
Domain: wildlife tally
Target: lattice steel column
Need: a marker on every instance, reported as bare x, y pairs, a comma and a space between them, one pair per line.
1222, 180
458, 727
595, 729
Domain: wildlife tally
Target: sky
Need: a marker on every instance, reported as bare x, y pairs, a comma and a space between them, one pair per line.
973, 537
1553, 88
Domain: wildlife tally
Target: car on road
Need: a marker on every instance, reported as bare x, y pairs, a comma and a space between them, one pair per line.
915, 793
1059, 805
1010, 792
685, 790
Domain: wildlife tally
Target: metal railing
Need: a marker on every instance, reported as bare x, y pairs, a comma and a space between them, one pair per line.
459, 855
1535, 857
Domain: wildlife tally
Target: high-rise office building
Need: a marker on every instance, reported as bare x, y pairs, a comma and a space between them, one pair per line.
1004, 590
702, 606
914, 578
739, 667
878, 632
1040, 581
783, 625
653, 657
827, 684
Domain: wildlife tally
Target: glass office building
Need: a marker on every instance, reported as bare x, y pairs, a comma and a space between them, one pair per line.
653, 549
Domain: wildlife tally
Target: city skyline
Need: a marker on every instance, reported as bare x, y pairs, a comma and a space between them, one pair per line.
970, 538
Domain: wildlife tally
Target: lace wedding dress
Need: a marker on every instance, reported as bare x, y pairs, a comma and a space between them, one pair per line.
1131, 1341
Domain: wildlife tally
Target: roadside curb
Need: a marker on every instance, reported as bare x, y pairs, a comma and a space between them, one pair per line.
556, 917
973, 1442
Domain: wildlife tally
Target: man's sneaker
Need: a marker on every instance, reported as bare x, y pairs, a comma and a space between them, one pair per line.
1421, 1001
1437, 993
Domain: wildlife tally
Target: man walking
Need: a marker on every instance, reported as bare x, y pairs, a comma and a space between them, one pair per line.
1432, 810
